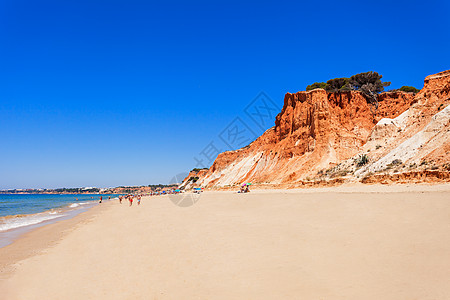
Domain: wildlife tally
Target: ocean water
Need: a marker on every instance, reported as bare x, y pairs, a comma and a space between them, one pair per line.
19, 212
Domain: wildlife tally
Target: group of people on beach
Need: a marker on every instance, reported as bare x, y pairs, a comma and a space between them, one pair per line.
244, 188
101, 199
131, 198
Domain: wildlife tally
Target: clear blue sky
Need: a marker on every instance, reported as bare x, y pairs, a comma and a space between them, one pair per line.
108, 93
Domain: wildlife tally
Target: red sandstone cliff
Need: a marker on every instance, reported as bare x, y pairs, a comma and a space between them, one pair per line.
319, 136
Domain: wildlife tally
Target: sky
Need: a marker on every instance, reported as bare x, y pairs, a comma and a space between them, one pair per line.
111, 93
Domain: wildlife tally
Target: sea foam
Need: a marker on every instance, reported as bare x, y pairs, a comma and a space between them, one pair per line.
12, 223
73, 205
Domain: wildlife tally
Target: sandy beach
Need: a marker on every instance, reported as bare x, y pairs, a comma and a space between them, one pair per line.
365, 242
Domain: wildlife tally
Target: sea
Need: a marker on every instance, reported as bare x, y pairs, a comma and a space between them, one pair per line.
20, 213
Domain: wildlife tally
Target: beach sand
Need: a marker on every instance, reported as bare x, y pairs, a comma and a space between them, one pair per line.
337, 243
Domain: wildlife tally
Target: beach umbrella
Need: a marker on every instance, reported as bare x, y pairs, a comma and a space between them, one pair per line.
249, 183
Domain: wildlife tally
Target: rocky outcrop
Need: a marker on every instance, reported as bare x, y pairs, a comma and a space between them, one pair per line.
319, 136
408, 177
191, 179
417, 139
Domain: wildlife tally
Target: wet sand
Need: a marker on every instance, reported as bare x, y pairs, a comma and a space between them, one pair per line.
336, 243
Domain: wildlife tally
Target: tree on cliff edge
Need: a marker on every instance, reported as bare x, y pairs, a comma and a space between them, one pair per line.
369, 84
316, 85
338, 84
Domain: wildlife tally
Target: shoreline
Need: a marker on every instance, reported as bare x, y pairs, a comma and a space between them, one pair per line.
43, 236
37, 212
8, 237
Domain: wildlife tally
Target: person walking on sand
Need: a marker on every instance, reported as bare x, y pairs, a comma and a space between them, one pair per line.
101, 198
120, 199
131, 200
139, 199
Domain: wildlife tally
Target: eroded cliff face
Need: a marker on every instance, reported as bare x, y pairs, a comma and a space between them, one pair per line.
192, 177
318, 131
418, 139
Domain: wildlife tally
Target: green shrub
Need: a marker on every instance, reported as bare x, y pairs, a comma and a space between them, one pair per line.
396, 162
338, 84
198, 169
193, 179
316, 85
362, 160
409, 89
